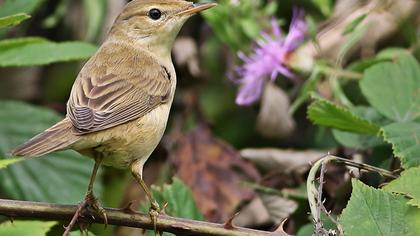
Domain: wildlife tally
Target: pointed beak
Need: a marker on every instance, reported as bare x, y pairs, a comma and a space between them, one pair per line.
197, 7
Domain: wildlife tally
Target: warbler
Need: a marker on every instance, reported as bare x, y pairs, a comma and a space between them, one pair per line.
120, 101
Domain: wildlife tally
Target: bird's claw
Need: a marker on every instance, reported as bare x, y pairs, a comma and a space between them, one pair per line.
92, 203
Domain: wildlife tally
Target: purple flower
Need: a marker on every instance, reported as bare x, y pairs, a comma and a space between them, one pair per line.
269, 59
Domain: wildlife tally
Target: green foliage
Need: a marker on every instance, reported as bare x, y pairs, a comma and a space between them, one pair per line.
7, 162
179, 199
236, 24
12, 7
26, 228
394, 88
39, 179
41, 53
324, 112
353, 25
95, 12
13, 20
393, 91
405, 185
374, 212
404, 138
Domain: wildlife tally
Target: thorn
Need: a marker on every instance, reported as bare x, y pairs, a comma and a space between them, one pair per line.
11, 219
229, 222
280, 230
163, 211
129, 208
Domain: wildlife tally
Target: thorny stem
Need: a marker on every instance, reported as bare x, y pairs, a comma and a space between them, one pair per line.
122, 217
315, 193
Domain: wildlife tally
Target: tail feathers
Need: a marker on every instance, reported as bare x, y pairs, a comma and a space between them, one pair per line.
56, 138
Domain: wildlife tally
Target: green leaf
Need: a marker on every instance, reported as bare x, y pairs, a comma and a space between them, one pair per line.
407, 184
95, 13
356, 141
7, 162
45, 53
405, 140
326, 113
13, 20
39, 179
8, 44
12, 7
179, 198
392, 53
250, 27
374, 212
353, 25
26, 228
394, 88
412, 218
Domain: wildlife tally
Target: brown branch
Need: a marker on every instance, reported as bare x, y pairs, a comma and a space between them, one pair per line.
178, 226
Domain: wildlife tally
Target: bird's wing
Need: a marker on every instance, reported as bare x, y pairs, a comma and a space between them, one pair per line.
116, 86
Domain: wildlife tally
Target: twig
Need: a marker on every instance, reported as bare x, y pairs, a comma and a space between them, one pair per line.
178, 226
315, 194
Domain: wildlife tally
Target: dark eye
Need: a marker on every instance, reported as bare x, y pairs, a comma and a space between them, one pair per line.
155, 14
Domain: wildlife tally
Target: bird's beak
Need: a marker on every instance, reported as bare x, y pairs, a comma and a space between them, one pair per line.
197, 7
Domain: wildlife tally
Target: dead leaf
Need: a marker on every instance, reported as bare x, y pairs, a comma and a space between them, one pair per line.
253, 215
285, 160
279, 208
274, 120
211, 168
185, 52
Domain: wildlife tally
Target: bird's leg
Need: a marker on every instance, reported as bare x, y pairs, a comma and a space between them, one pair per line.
89, 201
137, 171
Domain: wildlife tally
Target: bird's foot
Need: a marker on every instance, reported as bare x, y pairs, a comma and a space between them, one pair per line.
92, 206
154, 213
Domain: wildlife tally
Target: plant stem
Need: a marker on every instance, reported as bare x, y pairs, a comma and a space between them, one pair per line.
121, 217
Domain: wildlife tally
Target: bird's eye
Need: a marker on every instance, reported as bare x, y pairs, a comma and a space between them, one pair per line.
155, 14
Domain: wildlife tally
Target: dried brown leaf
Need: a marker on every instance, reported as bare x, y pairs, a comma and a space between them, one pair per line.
274, 120
286, 160
212, 169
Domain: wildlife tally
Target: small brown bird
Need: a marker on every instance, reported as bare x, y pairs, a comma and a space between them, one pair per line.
120, 101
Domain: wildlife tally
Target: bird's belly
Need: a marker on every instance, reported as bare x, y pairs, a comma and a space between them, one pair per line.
121, 145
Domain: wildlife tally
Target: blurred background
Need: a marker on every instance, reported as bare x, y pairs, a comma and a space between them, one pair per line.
238, 138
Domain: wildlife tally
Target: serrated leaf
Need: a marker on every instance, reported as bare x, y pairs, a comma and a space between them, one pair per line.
394, 88
39, 179
7, 162
46, 53
326, 113
13, 20
407, 184
179, 198
374, 212
353, 25
362, 141
11, 7
405, 140
26, 228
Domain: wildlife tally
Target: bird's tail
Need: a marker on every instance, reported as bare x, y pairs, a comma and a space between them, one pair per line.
58, 137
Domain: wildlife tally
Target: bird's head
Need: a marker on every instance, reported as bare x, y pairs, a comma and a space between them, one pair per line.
155, 22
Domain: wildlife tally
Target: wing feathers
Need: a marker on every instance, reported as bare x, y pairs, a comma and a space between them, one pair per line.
106, 97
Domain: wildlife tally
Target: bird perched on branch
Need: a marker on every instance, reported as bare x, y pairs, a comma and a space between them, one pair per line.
120, 101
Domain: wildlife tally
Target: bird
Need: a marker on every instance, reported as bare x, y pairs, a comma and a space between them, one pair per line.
120, 101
